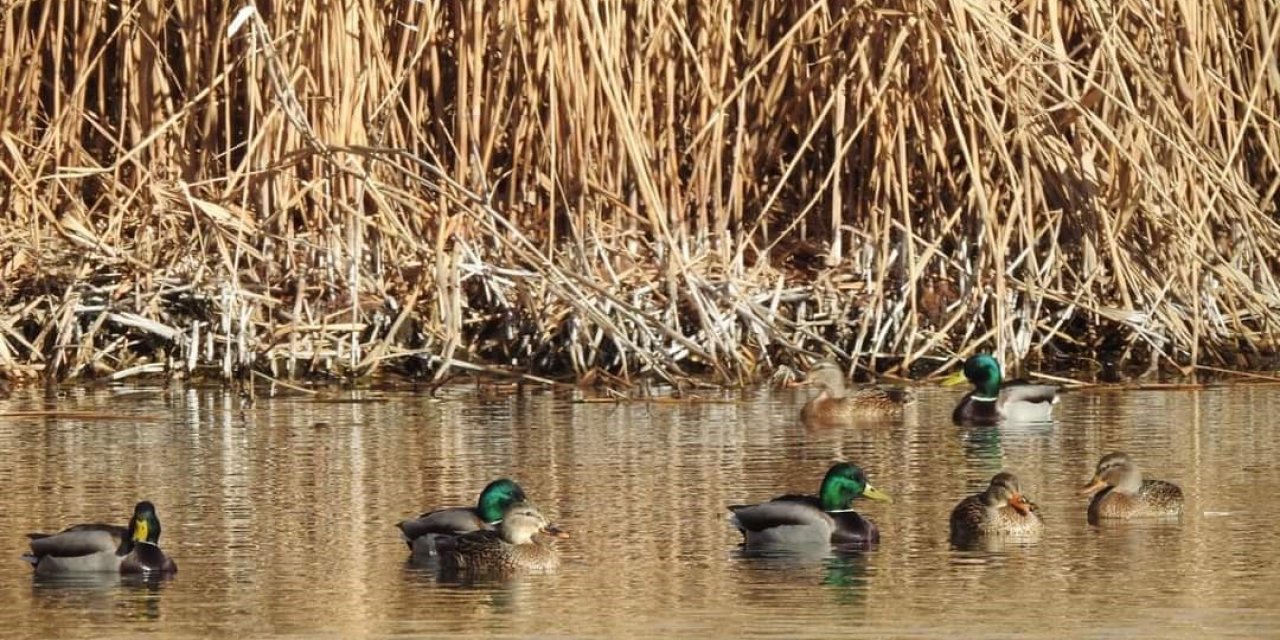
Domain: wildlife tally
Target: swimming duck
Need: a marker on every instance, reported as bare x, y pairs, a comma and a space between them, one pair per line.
991, 402
86, 548
422, 533
822, 519
835, 404
522, 541
1000, 510
1120, 493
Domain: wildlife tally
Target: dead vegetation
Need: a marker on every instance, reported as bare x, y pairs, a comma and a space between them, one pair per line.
634, 189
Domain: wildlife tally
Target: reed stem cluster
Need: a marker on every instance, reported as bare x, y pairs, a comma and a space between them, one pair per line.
679, 189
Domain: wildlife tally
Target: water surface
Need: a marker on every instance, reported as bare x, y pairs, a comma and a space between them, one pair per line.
281, 515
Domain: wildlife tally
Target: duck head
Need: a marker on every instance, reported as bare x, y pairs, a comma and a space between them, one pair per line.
1005, 490
845, 482
522, 521
496, 497
1115, 470
827, 376
144, 526
983, 372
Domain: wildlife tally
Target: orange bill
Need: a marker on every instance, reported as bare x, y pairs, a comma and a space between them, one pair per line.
1020, 504
1094, 486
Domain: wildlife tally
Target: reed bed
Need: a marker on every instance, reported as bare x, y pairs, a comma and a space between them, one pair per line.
620, 191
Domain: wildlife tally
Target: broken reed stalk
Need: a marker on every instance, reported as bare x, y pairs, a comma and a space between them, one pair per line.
648, 190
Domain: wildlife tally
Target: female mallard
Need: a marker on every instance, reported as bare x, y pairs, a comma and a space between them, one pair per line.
836, 404
85, 548
421, 533
1120, 493
523, 541
991, 402
1001, 510
822, 519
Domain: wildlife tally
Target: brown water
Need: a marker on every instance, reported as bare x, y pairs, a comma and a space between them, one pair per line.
281, 516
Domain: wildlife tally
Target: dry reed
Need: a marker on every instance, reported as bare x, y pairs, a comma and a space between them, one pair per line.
610, 190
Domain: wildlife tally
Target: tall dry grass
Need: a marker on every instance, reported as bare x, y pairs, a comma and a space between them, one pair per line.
634, 188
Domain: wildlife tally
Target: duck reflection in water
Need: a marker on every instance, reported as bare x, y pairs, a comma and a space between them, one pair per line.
983, 447
136, 596
843, 571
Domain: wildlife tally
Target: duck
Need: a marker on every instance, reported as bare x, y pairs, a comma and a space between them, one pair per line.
837, 404
825, 518
522, 541
423, 533
992, 402
1120, 493
1000, 510
103, 548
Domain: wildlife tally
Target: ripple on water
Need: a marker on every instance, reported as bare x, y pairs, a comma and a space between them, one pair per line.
281, 515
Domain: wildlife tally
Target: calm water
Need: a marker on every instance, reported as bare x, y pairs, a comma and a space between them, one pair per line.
281, 516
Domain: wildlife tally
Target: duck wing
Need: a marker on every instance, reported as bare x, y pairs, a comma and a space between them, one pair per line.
1021, 401
781, 511
967, 517
1161, 495
452, 521
892, 395
78, 540
457, 552
877, 401
1024, 391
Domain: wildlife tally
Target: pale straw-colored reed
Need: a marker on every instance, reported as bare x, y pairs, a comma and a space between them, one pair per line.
672, 190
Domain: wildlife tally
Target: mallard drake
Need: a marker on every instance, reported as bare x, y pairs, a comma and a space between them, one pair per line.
522, 541
835, 403
1119, 492
822, 519
991, 402
86, 548
421, 533
1000, 510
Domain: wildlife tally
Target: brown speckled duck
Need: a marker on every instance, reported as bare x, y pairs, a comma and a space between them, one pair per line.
523, 541
835, 403
1120, 493
103, 548
1000, 510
